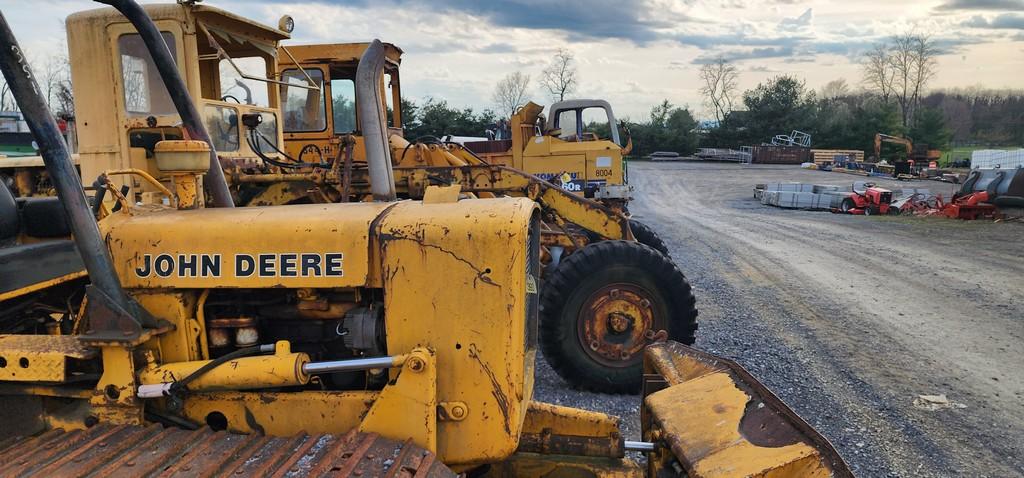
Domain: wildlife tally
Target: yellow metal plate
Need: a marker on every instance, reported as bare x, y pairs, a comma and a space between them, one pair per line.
309, 245
39, 358
455, 276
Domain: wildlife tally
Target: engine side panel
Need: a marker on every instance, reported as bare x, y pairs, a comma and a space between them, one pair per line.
298, 246
455, 280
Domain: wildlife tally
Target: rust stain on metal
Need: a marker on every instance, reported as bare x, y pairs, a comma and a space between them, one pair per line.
496, 390
107, 450
481, 274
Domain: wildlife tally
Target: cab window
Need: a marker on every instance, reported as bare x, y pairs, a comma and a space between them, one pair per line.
595, 122
235, 88
567, 124
304, 108
222, 125
592, 122
144, 90
343, 102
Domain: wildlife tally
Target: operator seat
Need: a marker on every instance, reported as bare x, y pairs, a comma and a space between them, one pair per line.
10, 223
51, 256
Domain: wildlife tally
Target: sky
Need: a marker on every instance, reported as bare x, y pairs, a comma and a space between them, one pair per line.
633, 53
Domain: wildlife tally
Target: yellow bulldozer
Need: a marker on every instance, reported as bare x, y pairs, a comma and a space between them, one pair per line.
604, 295
380, 338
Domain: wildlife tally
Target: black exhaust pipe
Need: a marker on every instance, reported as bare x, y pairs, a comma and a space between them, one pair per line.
213, 180
120, 317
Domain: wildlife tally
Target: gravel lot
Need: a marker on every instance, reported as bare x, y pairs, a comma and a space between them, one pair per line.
849, 318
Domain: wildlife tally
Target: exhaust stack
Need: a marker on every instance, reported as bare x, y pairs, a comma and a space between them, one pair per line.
372, 122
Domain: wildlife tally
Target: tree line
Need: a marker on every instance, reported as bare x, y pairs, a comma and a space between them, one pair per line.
891, 97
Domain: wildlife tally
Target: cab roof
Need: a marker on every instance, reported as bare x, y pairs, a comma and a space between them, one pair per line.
337, 53
211, 16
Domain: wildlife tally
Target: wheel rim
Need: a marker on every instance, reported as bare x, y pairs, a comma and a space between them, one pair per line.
616, 322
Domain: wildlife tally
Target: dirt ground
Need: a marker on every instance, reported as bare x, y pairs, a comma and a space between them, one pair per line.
849, 318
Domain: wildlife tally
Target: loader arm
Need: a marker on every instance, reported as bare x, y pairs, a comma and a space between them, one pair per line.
490, 179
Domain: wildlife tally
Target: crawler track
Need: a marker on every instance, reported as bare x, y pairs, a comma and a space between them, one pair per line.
137, 451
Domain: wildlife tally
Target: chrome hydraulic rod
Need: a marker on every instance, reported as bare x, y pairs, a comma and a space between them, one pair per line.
352, 365
638, 446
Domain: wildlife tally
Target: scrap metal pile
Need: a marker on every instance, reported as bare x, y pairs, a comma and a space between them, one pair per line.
987, 193
862, 198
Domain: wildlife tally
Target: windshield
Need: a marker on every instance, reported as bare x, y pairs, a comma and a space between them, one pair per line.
592, 122
235, 88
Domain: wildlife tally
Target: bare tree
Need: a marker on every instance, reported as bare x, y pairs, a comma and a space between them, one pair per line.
510, 93
560, 78
922, 69
901, 71
835, 89
719, 80
878, 72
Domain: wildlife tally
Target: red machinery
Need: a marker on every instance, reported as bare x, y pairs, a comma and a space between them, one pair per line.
969, 206
868, 201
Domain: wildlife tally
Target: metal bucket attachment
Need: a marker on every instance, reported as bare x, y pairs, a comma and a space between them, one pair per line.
710, 418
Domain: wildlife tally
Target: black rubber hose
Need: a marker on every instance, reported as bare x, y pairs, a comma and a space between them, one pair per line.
101, 192
182, 385
297, 164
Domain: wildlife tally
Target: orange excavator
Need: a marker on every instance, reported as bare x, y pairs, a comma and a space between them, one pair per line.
916, 158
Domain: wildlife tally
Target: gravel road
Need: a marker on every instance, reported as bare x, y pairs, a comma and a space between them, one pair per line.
849, 318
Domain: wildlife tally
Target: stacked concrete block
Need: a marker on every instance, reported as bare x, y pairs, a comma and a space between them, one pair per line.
800, 195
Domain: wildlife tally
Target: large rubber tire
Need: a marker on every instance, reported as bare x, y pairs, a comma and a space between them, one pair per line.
847, 205
609, 273
645, 235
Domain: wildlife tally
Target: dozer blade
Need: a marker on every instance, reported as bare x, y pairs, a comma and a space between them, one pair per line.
713, 419
133, 451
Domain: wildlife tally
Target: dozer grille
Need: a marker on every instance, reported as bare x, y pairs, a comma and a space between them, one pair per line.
107, 450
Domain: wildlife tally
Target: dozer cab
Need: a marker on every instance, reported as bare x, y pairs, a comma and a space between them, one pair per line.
605, 295
378, 338
579, 147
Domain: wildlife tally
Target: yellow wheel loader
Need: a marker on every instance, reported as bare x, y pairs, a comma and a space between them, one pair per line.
380, 338
276, 143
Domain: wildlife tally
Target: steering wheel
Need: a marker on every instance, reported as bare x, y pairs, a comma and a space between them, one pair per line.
225, 98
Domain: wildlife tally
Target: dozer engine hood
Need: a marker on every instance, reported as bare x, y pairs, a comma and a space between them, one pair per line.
458, 277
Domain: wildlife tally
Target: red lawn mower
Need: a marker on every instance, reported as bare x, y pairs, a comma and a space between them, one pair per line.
867, 200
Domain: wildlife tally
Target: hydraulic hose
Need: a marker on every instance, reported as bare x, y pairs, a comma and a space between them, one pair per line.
182, 385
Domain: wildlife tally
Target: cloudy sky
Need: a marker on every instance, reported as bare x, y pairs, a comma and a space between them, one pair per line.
632, 52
